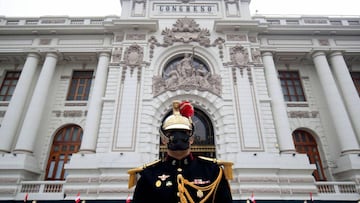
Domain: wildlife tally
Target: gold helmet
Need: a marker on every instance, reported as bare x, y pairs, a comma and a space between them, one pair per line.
181, 117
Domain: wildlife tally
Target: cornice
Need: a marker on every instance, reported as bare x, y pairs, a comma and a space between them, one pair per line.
239, 25
133, 24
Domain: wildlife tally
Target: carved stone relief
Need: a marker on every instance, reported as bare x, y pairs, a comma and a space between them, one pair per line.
187, 74
303, 114
239, 56
139, 7
236, 37
116, 55
44, 41
256, 56
324, 42
134, 36
253, 39
119, 37
186, 30
133, 56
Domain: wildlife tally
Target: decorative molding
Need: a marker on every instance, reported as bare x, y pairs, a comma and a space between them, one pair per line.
239, 56
116, 55
324, 42
77, 180
297, 105
256, 56
135, 36
71, 114
139, 8
119, 37
252, 39
186, 30
133, 56
303, 114
44, 41
236, 37
76, 104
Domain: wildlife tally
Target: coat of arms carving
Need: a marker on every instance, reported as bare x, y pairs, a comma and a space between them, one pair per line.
186, 30
133, 55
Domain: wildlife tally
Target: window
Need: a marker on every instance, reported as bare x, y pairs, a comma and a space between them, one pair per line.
80, 85
306, 144
291, 86
8, 85
356, 78
66, 142
204, 144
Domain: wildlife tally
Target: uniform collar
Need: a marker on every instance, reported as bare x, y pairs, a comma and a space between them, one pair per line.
179, 163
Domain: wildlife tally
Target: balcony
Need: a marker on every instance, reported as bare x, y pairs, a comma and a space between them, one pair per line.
41, 190
337, 190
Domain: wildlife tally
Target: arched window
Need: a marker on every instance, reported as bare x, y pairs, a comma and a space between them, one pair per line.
66, 142
204, 143
306, 144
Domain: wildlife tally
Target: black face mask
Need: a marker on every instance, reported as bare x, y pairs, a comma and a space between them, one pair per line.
178, 140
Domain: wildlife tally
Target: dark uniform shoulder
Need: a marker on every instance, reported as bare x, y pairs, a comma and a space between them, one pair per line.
134, 171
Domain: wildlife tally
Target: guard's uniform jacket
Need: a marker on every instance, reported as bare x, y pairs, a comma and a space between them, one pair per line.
187, 180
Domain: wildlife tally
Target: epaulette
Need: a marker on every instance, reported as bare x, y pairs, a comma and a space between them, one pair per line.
226, 164
134, 171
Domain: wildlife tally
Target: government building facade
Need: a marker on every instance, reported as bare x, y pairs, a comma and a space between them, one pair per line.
82, 99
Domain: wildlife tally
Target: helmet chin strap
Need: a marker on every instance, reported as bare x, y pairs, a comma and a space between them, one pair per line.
178, 140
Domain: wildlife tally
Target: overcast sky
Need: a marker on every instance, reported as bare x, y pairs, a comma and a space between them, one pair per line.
36, 8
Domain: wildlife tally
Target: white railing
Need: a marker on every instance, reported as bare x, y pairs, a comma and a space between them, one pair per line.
42, 186
54, 189
336, 187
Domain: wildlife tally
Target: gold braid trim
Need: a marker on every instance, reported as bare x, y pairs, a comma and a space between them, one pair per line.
185, 195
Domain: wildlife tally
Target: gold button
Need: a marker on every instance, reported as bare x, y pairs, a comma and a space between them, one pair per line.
179, 169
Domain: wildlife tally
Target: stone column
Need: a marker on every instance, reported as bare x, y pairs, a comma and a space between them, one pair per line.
88, 143
32, 121
281, 120
12, 117
348, 90
341, 121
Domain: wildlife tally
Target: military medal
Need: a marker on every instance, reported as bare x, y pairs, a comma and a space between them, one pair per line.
163, 177
169, 183
199, 194
158, 183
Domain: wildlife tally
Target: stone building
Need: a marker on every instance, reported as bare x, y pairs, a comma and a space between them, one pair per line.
82, 99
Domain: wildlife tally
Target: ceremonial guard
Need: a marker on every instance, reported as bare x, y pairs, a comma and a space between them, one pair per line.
181, 177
